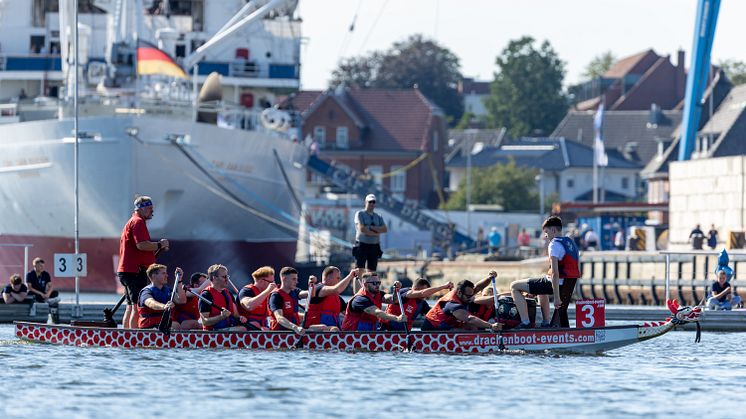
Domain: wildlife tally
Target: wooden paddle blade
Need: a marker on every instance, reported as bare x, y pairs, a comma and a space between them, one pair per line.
165, 325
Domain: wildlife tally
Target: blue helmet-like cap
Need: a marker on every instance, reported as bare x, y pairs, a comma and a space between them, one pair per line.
723, 265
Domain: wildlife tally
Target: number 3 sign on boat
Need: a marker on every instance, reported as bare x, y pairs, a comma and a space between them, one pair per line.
70, 265
590, 313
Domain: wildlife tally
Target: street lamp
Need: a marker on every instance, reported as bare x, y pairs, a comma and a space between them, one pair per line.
540, 180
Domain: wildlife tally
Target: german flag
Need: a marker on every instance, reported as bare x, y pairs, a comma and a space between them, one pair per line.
151, 60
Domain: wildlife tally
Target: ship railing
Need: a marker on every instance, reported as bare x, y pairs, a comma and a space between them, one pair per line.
25, 267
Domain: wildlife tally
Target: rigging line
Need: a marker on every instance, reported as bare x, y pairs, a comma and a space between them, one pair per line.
375, 23
351, 29
287, 181
408, 166
237, 200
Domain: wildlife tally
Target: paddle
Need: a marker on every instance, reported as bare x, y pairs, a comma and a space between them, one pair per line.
401, 309
311, 286
494, 297
165, 325
212, 304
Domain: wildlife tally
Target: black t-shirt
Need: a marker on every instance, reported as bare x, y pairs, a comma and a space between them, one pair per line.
277, 303
359, 303
717, 289
9, 289
246, 293
38, 283
451, 307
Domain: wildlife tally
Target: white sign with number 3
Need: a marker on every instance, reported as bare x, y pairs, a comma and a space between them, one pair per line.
70, 265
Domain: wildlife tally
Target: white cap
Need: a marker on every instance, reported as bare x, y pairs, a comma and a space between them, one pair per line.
370, 197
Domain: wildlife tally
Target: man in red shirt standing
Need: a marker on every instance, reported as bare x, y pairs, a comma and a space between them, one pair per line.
136, 253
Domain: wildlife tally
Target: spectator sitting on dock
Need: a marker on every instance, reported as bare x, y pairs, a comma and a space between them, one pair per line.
16, 291
494, 239
524, 239
40, 284
721, 297
156, 297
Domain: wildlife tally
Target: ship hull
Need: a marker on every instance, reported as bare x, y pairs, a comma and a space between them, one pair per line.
220, 195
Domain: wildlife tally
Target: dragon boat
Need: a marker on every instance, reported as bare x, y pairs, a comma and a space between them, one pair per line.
580, 340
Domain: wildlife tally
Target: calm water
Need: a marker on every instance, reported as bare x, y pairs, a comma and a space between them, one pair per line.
659, 378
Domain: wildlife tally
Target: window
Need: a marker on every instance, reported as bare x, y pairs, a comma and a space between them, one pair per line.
570, 183
342, 138
319, 134
375, 172
625, 183
398, 179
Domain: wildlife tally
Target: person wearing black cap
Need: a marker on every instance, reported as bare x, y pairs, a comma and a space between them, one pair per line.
136, 252
369, 226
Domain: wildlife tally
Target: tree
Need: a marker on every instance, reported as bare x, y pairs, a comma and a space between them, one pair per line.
415, 61
599, 65
735, 70
508, 185
526, 96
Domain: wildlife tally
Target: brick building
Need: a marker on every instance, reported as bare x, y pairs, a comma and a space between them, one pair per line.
396, 136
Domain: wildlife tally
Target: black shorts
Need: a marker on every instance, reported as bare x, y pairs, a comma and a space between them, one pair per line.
367, 255
133, 283
540, 286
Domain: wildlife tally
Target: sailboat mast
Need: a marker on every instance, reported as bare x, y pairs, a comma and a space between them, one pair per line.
76, 311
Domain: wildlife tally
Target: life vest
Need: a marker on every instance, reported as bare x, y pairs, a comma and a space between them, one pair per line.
289, 310
568, 265
259, 313
362, 321
221, 299
187, 311
323, 310
437, 317
483, 311
150, 318
411, 308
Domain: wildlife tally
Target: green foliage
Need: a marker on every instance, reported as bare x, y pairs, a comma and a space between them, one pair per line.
508, 185
526, 95
599, 65
415, 61
735, 70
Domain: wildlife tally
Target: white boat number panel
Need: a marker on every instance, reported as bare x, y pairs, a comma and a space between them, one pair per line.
70, 264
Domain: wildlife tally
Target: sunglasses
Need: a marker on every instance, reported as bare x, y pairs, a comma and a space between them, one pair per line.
374, 282
371, 202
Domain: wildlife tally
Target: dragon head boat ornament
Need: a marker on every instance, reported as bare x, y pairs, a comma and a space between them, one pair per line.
685, 314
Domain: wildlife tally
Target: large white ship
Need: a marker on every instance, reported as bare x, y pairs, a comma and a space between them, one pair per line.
223, 170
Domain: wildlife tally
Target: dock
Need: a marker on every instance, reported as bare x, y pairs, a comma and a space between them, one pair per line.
39, 312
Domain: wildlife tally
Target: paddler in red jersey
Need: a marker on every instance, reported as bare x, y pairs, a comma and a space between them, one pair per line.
156, 297
326, 304
564, 270
223, 313
364, 309
283, 305
452, 310
414, 302
187, 314
253, 298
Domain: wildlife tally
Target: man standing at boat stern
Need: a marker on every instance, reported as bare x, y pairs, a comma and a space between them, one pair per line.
369, 226
136, 253
560, 281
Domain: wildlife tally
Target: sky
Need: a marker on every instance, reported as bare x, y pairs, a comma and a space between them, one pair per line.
478, 30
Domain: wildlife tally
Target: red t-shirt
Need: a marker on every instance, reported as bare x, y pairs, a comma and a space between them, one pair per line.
130, 257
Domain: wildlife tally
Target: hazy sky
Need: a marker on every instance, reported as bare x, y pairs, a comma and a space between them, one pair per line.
478, 30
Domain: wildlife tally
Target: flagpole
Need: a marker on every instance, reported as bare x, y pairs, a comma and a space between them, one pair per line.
595, 174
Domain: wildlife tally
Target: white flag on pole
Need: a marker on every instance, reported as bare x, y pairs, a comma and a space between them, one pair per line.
599, 153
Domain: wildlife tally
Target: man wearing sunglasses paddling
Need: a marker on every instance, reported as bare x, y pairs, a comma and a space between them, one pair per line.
452, 310
364, 309
369, 226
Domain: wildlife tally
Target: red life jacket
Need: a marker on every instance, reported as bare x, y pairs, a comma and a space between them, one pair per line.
187, 311
323, 310
221, 299
436, 316
483, 311
150, 318
289, 310
362, 321
568, 265
259, 313
410, 309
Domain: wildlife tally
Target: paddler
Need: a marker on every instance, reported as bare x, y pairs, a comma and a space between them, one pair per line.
253, 298
452, 310
225, 316
155, 298
188, 313
283, 305
414, 302
364, 309
326, 304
